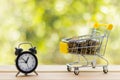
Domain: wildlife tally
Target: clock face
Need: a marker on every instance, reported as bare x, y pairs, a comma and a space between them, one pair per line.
26, 62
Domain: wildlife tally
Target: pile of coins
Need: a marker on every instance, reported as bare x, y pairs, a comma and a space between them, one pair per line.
88, 46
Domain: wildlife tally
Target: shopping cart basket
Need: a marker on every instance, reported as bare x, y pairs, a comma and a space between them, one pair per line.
85, 45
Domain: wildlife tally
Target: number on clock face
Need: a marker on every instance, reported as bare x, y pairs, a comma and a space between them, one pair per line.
26, 62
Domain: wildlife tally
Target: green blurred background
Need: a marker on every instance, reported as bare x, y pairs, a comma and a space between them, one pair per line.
46, 22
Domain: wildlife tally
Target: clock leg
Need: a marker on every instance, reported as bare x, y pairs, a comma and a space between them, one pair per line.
17, 74
35, 72
25, 74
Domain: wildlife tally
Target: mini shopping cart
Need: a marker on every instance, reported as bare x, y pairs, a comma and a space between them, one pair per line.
93, 44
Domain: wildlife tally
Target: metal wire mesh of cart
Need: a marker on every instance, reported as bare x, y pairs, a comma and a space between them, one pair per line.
93, 44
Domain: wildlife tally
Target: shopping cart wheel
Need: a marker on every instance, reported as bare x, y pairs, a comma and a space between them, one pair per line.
69, 69
105, 70
76, 70
93, 64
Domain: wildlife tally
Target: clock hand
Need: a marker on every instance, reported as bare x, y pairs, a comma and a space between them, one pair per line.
23, 59
27, 66
27, 59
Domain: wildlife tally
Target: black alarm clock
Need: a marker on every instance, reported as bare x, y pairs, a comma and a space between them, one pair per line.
26, 61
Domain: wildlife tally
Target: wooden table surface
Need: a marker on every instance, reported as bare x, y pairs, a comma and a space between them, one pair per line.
59, 72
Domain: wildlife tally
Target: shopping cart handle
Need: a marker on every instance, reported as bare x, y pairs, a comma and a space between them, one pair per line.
109, 26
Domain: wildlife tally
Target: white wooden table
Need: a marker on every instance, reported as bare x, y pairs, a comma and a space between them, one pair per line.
59, 72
